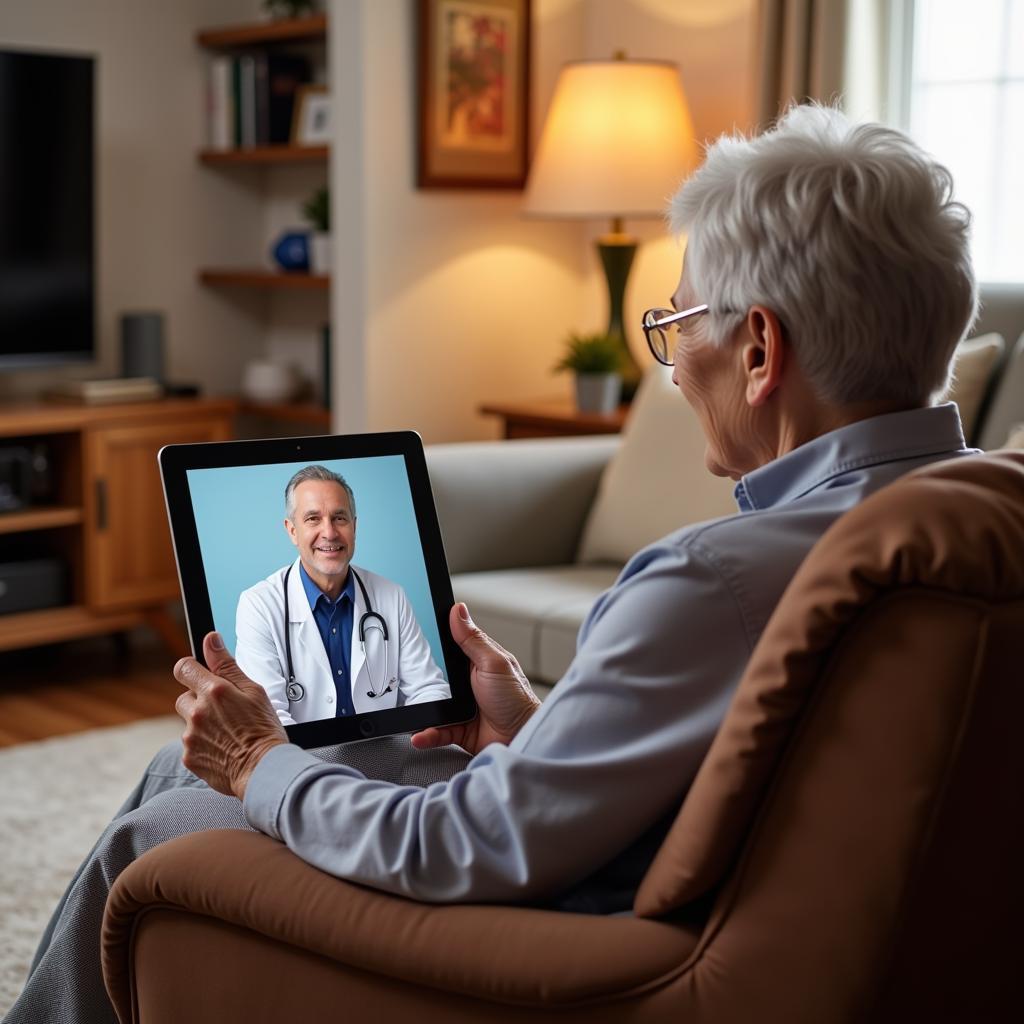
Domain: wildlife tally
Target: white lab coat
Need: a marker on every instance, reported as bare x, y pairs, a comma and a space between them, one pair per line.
260, 649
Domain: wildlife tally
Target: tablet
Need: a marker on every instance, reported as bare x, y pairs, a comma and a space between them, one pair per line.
320, 562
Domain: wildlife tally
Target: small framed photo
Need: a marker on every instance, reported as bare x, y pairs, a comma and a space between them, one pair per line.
311, 120
474, 93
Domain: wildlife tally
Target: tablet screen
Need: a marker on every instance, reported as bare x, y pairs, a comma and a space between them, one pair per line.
317, 581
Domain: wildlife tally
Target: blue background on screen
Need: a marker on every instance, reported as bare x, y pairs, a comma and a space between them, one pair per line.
239, 513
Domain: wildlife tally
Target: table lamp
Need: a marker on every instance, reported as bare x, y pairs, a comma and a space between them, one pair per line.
617, 141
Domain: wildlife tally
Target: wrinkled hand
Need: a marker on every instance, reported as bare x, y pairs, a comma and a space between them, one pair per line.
503, 694
229, 721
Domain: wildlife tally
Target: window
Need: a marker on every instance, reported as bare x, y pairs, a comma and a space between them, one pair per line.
960, 94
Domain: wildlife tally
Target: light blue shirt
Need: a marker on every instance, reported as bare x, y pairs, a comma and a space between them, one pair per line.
572, 810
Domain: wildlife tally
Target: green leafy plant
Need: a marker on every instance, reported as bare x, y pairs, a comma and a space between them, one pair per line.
592, 353
317, 210
289, 8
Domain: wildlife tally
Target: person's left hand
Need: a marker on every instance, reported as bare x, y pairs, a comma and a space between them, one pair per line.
229, 721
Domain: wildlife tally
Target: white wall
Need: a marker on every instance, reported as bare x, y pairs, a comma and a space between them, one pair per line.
160, 214
446, 298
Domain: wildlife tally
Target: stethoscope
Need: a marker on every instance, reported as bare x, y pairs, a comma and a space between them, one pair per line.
368, 620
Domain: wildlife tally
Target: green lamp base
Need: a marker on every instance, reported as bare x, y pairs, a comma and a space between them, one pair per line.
617, 251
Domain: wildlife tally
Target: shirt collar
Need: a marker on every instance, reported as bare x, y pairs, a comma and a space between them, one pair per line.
911, 434
314, 593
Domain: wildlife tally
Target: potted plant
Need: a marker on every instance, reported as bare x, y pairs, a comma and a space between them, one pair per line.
596, 359
317, 210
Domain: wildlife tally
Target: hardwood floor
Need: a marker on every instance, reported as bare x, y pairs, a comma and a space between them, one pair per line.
87, 684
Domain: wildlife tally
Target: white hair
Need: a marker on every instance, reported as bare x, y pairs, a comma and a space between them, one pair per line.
321, 473
850, 235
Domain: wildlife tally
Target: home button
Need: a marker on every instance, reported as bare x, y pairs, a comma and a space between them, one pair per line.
367, 728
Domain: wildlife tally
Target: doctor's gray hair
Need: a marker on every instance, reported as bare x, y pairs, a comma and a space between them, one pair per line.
321, 473
850, 235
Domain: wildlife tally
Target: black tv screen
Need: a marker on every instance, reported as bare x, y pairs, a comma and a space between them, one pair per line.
47, 272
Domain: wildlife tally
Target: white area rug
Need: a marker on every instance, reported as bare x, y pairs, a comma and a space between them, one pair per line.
57, 796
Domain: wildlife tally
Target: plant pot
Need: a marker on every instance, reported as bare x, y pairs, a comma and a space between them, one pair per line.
320, 252
598, 392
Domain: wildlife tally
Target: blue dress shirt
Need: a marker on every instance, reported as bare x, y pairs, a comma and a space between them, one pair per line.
572, 810
334, 620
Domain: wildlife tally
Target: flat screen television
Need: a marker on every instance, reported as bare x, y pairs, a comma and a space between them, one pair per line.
47, 209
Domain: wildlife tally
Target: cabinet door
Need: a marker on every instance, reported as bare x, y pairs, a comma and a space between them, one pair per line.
129, 559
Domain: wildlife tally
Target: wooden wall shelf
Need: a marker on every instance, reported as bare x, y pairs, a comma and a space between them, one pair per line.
264, 155
285, 30
47, 518
271, 279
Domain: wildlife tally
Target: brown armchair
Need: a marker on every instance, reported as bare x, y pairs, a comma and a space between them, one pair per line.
850, 849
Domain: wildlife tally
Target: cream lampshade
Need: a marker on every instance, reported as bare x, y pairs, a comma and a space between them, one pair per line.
617, 141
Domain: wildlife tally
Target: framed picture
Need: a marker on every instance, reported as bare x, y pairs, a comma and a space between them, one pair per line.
311, 120
474, 93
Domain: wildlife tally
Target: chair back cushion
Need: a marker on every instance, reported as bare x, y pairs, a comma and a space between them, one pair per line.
656, 482
973, 366
955, 529
1006, 409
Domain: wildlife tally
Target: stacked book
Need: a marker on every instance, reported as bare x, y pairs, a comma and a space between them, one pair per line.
251, 99
102, 392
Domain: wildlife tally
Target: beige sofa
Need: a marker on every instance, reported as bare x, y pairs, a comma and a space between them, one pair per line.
536, 530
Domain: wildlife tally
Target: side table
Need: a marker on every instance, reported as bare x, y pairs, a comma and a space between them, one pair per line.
553, 418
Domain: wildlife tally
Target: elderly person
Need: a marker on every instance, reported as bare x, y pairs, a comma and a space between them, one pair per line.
826, 285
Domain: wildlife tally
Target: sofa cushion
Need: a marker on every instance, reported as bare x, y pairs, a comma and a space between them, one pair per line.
534, 613
1007, 408
656, 481
510, 504
972, 368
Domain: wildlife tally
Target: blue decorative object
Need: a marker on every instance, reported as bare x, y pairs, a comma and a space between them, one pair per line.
291, 251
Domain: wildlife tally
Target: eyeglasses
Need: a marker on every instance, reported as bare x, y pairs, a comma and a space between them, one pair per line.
657, 323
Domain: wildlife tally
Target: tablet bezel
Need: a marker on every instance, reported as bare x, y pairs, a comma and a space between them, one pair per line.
176, 460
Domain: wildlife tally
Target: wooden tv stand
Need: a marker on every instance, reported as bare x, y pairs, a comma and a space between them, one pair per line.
106, 521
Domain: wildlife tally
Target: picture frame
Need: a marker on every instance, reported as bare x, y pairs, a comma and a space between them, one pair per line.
473, 94
311, 120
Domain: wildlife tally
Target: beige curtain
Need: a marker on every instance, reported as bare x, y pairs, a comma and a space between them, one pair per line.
801, 53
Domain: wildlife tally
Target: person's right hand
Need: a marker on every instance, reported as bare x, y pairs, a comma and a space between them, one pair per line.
503, 694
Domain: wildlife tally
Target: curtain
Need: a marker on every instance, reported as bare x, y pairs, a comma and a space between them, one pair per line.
802, 45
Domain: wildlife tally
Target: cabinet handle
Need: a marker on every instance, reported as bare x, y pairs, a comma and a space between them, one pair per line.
101, 504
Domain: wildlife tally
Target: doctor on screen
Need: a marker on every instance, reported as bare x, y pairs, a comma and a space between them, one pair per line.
322, 636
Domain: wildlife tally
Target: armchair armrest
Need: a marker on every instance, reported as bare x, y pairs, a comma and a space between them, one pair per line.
182, 921
513, 504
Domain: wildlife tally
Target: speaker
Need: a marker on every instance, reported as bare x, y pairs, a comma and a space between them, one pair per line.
142, 345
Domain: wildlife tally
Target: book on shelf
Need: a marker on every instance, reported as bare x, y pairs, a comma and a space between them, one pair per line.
251, 99
220, 114
261, 100
247, 100
236, 101
285, 74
